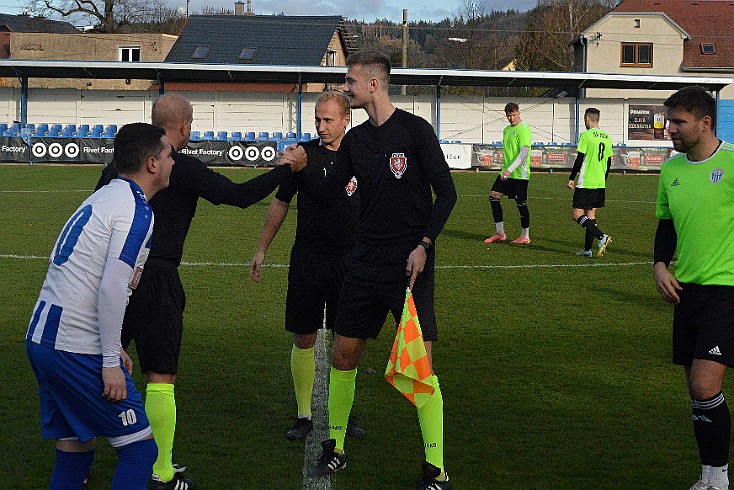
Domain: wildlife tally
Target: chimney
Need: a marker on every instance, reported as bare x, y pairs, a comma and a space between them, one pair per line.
249, 8
239, 8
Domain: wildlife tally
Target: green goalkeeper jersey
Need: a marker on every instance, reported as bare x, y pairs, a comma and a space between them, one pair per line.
596, 145
699, 198
514, 138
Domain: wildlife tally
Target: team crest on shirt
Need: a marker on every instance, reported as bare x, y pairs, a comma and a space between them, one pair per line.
136, 277
398, 164
716, 175
351, 186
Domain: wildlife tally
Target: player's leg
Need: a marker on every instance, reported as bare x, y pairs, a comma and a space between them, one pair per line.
360, 315
430, 414
304, 315
520, 194
711, 420
155, 314
703, 342
58, 418
132, 439
577, 213
73, 462
498, 190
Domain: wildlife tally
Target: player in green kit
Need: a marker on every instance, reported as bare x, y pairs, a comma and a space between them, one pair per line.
695, 206
515, 176
592, 166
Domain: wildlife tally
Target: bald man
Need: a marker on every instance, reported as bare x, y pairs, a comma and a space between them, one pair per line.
154, 317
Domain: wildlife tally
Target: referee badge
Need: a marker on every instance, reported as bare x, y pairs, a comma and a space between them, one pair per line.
351, 186
716, 175
398, 164
136, 278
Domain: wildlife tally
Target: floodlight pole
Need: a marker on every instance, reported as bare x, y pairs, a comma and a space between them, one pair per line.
23, 101
404, 88
300, 103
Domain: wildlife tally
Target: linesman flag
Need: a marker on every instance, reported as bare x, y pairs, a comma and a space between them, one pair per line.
408, 369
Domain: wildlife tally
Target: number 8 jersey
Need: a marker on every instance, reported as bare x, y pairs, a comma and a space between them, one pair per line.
596, 145
94, 265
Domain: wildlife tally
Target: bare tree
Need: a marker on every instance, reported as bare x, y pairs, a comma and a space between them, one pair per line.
544, 45
108, 15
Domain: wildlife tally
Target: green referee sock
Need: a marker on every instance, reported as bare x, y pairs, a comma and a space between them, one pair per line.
430, 416
341, 398
303, 370
160, 406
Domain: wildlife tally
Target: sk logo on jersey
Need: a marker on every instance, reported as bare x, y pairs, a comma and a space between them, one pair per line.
716, 175
136, 277
675, 182
351, 186
398, 164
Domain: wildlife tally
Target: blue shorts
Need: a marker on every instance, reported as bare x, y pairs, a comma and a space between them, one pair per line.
72, 406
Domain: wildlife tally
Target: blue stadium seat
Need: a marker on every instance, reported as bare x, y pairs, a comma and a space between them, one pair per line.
112, 128
222, 136
15, 127
3, 127
97, 128
208, 135
195, 136
54, 131
290, 135
12, 131
67, 132
71, 127
109, 132
305, 137
250, 136
82, 132
277, 135
236, 135
30, 127
263, 136
96, 131
39, 131
84, 127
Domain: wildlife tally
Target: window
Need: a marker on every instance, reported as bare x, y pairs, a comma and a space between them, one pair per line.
130, 53
331, 58
247, 54
708, 48
636, 55
637, 23
200, 53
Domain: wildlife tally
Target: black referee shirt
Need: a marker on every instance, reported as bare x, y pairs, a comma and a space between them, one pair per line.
398, 165
330, 229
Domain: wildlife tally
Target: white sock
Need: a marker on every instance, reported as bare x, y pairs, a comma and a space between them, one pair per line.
525, 233
500, 227
716, 475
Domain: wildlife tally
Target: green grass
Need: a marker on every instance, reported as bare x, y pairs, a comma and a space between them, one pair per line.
553, 377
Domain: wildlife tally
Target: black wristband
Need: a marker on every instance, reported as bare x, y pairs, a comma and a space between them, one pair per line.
426, 245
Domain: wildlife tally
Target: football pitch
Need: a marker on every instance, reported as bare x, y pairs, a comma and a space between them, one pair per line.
555, 369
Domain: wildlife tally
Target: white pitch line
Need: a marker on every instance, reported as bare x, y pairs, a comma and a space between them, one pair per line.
469, 266
320, 415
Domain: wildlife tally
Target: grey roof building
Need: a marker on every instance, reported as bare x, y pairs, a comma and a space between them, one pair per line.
262, 40
26, 23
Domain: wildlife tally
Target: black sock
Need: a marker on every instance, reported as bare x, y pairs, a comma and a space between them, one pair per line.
712, 426
496, 210
590, 226
522, 207
588, 240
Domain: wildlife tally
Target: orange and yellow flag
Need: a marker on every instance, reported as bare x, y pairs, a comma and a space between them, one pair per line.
408, 369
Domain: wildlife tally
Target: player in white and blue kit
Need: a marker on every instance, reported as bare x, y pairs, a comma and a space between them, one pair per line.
73, 341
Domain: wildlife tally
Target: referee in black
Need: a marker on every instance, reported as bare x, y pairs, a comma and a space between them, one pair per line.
399, 165
324, 236
154, 315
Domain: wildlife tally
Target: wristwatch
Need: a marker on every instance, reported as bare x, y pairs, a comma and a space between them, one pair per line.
426, 245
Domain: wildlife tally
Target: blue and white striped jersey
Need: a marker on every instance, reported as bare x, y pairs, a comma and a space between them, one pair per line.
96, 262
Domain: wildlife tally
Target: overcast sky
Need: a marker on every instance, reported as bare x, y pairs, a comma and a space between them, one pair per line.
367, 10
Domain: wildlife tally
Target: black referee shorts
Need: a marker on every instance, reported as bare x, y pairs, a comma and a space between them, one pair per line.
588, 198
371, 290
154, 318
513, 188
703, 325
314, 281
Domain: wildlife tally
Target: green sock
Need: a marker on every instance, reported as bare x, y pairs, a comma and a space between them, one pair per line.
430, 416
303, 369
341, 397
160, 406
